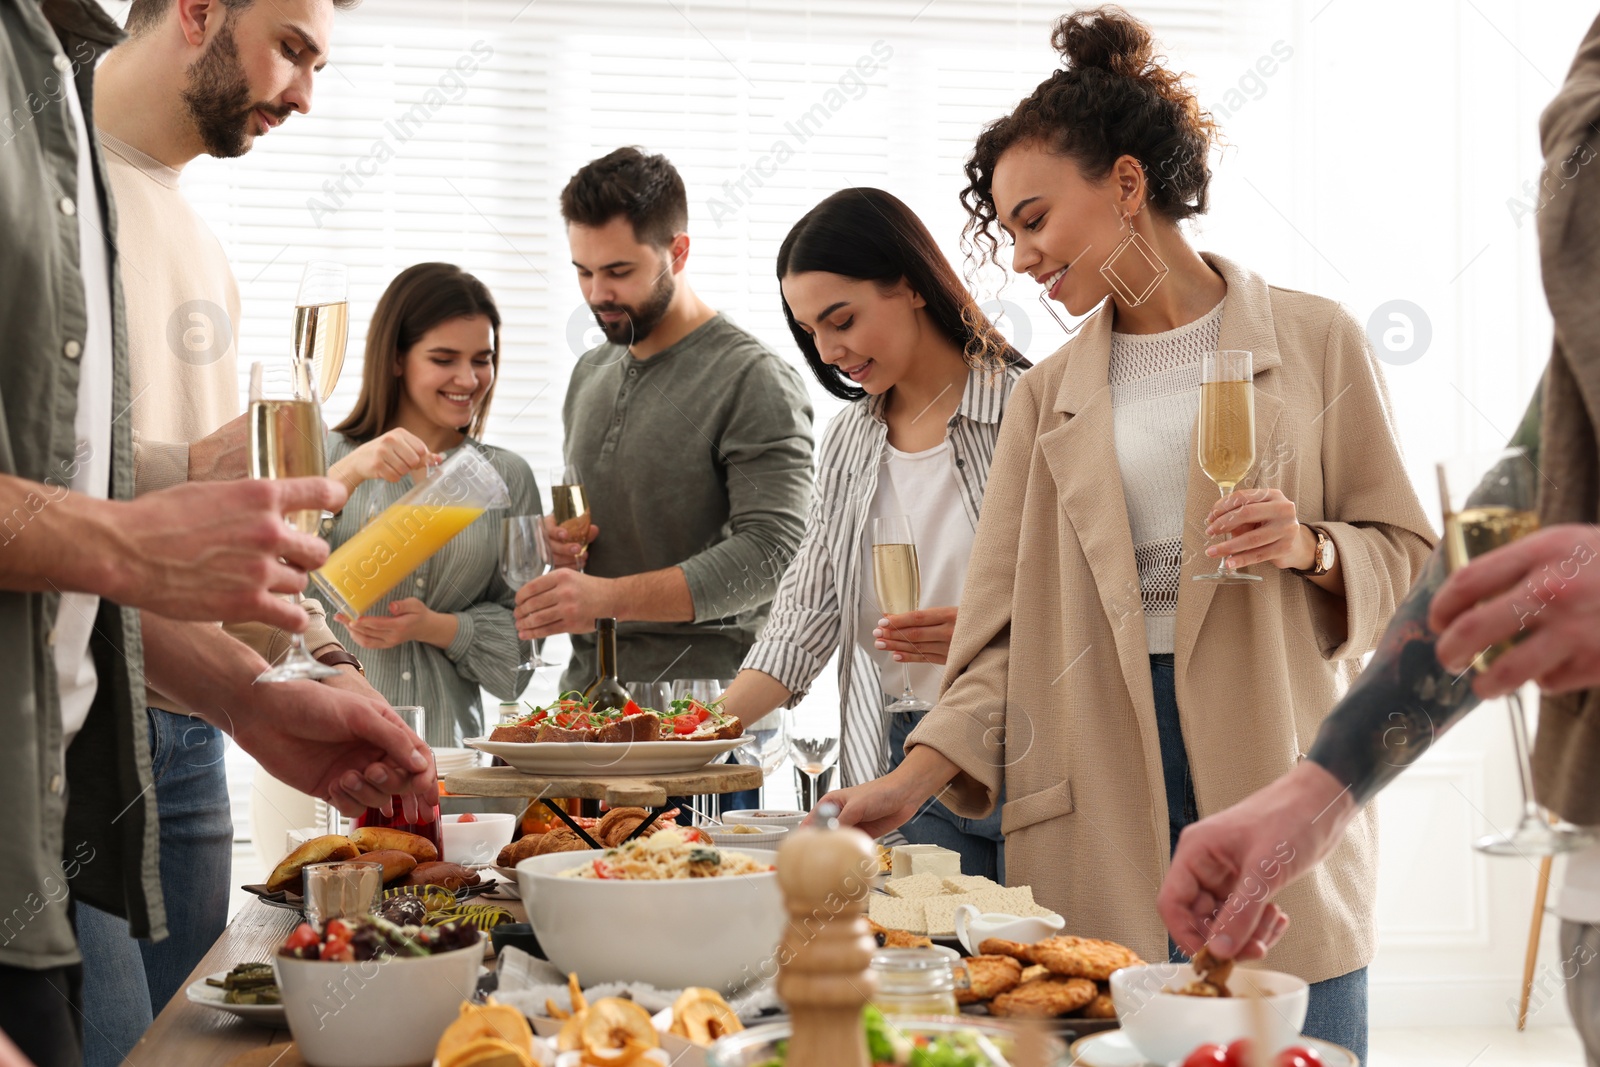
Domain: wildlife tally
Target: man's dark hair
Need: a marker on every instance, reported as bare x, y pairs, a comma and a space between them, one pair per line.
647, 189
146, 13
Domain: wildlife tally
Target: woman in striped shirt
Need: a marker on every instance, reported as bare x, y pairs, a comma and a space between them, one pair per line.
433, 351
883, 320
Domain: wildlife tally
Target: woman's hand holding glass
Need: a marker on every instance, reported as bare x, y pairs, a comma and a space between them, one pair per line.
1262, 526
390, 457
921, 636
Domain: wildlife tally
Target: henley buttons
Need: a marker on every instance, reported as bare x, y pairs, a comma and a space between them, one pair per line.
72, 350
405, 676
960, 462
68, 208
422, 583
55, 784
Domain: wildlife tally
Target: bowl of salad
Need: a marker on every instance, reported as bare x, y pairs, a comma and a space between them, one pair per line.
913, 1041
366, 992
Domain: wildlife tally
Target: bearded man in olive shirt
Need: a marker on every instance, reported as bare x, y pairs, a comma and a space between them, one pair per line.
692, 438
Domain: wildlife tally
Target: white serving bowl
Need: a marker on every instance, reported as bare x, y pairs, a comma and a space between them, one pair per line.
1166, 1028
725, 837
388, 1013
716, 932
479, 841
765, 817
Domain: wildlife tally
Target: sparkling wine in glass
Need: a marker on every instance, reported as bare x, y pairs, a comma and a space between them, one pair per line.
1226, 434
524, 556
813, 757
1482, 512
286, 442
322, 324
899, 585
569, 506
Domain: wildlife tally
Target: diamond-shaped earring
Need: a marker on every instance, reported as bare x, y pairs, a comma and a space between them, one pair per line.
1134, 253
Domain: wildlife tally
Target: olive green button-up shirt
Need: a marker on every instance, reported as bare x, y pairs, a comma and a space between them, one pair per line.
78, 822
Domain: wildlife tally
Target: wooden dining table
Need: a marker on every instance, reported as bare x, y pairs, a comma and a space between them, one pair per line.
197, 1036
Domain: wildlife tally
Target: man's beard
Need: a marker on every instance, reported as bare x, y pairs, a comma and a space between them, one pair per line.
218, 99
637, 323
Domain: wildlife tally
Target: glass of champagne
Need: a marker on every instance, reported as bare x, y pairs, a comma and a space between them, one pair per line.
322, 324
569, 507
524, 556
1226, 434
899, 585
814, 758
1482, 512
286, 441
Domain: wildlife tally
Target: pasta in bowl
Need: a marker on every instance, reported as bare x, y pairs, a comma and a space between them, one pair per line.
658, 922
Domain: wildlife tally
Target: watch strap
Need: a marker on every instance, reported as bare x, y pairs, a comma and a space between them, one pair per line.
1317, 570
335, 657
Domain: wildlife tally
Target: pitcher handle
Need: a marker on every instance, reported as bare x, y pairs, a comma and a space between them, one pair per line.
964, 915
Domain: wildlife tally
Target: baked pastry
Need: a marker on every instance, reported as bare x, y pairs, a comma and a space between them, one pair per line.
1045, 998
980, 978
324, 849
1034, 970
1082, 957
403, 910
889, 937
1101, 1007
451, 876
373, 838
519, 850
994, 946
561, 839
396, 864
618, 823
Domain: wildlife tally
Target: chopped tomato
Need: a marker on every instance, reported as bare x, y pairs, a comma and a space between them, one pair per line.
684, 724
630, 708
336, 943
304, 934
601, 870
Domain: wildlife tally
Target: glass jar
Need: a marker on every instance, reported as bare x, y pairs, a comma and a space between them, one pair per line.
914, 981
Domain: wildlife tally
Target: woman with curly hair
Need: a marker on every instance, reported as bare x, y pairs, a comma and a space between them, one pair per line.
1091, 679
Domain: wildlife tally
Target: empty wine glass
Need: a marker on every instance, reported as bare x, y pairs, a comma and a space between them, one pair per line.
815, 755
898, 581
524, 556
650, 696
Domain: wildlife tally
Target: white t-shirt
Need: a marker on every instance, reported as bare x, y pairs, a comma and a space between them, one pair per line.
92, 428
1580, 890
921, 485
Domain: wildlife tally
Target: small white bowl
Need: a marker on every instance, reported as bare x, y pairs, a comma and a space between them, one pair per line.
385, 1013
721, 933
765, 817
478, 841
726, 837
1165, 1027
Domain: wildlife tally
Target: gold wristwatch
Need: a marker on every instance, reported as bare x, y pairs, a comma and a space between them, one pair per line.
1324, 556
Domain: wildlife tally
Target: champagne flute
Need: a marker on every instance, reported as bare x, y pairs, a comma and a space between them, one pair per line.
524, 556
1226, 431
569, 506
899, 584
286, 442
322, 323
1482, 512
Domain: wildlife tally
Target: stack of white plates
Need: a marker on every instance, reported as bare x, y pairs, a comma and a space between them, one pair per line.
452, 760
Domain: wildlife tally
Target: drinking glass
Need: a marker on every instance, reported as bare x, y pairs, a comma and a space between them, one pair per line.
899, 584
524, 556
650, 696
322, 323
1226, 431
768, 749
286, 440
1482, 512
416, 718
814, 755
340, 889
569, 506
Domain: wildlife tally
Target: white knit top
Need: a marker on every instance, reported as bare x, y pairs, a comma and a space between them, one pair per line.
1155, 398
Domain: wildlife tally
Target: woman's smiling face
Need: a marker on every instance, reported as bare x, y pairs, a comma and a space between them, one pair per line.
448, 372
869, 332
1057, 219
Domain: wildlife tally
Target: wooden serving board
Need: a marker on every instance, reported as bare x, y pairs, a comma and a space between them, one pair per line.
642, 790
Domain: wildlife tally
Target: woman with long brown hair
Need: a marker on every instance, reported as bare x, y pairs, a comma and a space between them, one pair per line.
432, 354
1109, 695
883, 320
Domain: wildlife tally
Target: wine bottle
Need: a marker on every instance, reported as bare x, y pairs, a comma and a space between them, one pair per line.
606, 693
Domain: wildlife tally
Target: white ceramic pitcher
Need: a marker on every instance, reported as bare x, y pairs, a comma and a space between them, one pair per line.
973, 928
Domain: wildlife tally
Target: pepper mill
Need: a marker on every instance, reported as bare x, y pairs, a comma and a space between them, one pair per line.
824, 960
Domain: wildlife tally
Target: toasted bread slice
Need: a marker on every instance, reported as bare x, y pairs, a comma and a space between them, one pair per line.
645, 726
561, 735
521, 735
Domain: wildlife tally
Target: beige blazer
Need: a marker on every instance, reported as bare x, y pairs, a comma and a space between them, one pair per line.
1048, 692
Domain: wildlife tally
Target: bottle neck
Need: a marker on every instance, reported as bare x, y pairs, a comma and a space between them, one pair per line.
606, 648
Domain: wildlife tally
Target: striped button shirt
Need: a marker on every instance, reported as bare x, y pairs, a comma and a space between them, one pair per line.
462, 578
817, 607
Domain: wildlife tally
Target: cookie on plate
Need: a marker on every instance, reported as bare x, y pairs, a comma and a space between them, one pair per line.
1045, 998
980, 978
1082, 957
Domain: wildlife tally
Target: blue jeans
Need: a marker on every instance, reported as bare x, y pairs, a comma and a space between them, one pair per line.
979, 841
126, 982
1338, 1008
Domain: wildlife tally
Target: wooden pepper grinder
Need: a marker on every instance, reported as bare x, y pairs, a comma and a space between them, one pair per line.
824, 960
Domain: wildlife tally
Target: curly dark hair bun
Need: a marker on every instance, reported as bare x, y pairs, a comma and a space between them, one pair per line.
1114, 97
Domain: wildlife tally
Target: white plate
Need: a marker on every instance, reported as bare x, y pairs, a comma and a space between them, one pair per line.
211, 997
581, 758
1112, 1048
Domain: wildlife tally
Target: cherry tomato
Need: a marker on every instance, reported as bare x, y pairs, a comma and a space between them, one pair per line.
684, 724
467, 816
304, 934
1240, 1054
601, 870
1298, 1056
1207, 1056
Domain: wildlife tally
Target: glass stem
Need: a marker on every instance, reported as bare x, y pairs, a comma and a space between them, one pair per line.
908, 694
1222, 561
1519, 741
